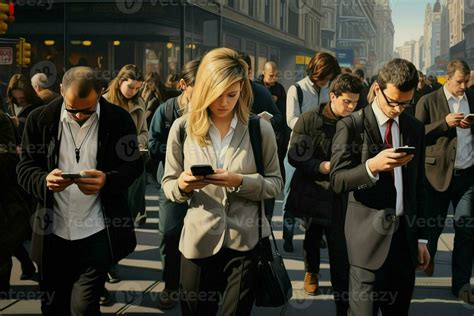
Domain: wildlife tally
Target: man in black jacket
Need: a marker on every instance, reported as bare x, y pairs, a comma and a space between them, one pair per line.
385, 237
82, 221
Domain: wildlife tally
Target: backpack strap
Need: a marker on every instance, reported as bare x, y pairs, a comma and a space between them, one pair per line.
169, 108
358, 123
299, 92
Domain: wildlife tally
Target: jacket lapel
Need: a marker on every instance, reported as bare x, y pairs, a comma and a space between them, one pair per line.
239, 134
372, 129
104, 132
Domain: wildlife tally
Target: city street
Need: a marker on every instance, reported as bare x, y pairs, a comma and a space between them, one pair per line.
141, 280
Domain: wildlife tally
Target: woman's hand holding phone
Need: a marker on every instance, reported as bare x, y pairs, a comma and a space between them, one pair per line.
188, 183
224, 178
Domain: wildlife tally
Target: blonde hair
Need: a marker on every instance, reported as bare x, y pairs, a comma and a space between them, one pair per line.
219, 69
371, 93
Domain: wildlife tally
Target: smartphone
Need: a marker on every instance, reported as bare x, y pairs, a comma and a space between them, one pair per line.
469, 117
266, 115
201, 170
73, 175
406, 149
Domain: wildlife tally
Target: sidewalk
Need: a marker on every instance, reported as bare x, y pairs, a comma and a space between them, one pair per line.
137, 293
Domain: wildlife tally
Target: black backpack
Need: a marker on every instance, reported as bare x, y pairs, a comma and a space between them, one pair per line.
299, 92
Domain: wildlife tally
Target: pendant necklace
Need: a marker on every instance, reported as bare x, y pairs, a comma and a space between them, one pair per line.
77, 150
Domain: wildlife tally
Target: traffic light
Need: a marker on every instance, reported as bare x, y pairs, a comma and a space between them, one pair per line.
23, 53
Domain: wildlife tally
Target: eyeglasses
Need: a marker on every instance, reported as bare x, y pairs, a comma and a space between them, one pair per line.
87, 111
393, 104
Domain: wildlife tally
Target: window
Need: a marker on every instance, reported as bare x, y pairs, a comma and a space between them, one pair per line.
268, 12
282, 14
293, 17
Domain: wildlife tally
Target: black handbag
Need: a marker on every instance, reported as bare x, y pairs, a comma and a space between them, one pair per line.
273, 286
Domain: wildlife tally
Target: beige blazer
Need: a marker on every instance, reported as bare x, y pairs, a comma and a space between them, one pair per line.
217, 217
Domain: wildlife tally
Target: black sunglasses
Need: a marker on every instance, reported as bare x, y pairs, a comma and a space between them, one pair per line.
393, 104
84, 112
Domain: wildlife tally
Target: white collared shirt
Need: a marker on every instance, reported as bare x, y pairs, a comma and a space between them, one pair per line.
219, 144
76, 215
382, 121
464, 148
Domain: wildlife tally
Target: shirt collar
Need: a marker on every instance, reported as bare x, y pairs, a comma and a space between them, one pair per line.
450, 96
380, 116
67, 118
233, 123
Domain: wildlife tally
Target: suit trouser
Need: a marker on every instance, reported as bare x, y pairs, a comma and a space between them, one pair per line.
73, 275
389, 288
225, 279
5, 271
461, 193
136, 195
339, 263
171, 223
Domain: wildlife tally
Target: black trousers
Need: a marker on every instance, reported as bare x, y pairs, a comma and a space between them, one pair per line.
338, 260
225, 279
389, 288
73, 275
461, 194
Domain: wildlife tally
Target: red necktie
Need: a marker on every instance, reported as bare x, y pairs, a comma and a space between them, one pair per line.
388, 142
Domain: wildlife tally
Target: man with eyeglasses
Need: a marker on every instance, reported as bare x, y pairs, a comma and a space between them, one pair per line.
385, 242
79, 156
449, 164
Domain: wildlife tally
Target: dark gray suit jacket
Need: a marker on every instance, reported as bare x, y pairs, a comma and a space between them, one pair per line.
441, 141
367, 228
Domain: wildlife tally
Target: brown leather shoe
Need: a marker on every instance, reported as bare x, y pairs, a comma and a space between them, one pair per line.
311, 283
430, 268
168, 299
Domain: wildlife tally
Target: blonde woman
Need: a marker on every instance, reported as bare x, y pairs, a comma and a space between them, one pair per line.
220, 232
123, 91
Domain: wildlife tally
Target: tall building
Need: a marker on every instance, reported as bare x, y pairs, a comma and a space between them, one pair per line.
432, 34
385, 32
328, 24
445, 30
407, 51
163, 35
356, 33
469, 32
456, 20
418, 54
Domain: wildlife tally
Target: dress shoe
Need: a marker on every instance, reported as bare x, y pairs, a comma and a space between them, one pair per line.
430, 268
112, 276
27, 272
105, 298
288, 246
465, 294
311, 283
168, 299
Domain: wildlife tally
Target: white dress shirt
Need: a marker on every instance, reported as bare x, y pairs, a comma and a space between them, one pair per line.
382, 121
464, 149
220, 144
76, 215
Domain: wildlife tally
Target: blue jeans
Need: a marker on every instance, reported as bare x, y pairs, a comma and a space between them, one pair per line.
461, 193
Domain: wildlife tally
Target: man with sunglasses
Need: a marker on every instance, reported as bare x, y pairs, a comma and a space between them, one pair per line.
385, 241
449, 165
82, 224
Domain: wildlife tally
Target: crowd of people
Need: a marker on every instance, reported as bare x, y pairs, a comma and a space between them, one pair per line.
368, 169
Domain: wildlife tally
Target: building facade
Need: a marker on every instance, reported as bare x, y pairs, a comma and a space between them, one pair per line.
385, 32
160, 35
328, 24
432, 35
408, 51
469, 32
456, 20
356, 31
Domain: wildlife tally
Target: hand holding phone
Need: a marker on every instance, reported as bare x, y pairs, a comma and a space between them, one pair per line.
406, 149
266, 115
202, 170
469, 117
74, 175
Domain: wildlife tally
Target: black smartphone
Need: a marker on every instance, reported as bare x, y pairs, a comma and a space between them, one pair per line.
74, 175
71, 175
201, 170
406, 149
